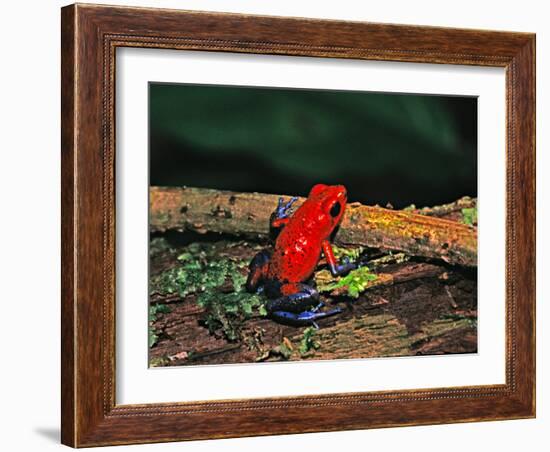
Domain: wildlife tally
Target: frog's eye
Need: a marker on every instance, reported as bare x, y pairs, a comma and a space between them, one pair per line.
335, 209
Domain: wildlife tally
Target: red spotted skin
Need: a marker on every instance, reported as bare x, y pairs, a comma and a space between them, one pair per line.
299, 245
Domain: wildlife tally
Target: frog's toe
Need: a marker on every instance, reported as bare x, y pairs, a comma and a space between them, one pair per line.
304, 318
283, 208
291, 201
316, 308
315, 314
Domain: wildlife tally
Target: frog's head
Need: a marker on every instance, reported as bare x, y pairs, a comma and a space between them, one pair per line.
331, 200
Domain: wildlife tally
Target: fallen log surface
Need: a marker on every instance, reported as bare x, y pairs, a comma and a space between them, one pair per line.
413, 308
247, 214
448, 211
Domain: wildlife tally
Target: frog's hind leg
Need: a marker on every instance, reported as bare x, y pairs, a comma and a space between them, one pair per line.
257, 270
298, 305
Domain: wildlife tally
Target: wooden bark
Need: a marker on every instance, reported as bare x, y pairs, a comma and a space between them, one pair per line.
247, 214
444, 210
415, 308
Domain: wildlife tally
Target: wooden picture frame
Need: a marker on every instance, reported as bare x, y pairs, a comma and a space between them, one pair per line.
90, 36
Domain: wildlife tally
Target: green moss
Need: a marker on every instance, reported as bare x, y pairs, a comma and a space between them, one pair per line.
160, 361
445, 324
157, 308
308, 344
469, 216
356, 282
153, 337
227, 311
159, 245
199, 271
218, 282
283, 351
153, 311
289, 350
352, 254
462, 319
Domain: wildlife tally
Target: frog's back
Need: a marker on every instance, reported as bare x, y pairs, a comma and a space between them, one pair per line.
297, 249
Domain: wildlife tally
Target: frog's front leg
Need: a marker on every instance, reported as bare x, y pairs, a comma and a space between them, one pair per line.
335, 268
280, 216
298, 305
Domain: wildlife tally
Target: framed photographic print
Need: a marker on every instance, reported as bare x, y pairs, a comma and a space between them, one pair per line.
281, 225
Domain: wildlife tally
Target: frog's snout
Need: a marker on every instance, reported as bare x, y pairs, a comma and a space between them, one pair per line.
342, 193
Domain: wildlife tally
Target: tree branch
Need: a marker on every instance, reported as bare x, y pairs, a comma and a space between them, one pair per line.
247, 214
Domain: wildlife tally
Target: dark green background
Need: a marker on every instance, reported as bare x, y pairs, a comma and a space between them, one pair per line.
396, 148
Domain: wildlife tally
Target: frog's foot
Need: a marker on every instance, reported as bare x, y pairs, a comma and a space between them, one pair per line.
280, 216
292, 307
344, 267
304, 318
283, 208
347, 265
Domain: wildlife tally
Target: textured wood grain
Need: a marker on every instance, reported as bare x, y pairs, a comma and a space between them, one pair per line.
91, 34
411, 308
68, 244
204, 210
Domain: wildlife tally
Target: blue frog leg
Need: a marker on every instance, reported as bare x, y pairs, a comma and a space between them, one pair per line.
342, 268
283, 208
299, 308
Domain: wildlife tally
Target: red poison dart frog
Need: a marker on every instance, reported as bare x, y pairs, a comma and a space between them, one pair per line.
284, 274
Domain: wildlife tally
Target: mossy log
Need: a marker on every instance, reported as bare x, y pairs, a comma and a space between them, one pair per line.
247, 214
449, 211
415, 309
